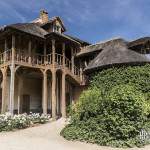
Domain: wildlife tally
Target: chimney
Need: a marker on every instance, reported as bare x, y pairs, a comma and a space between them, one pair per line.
44, 16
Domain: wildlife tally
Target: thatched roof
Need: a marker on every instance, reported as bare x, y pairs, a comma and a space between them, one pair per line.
56, 34
85, 43
88, 50
139, 41
117, 53
37, 30
30, 28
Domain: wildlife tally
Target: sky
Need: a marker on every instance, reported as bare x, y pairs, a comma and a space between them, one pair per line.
89, 20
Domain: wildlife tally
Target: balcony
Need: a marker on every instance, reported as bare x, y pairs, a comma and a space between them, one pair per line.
40, 61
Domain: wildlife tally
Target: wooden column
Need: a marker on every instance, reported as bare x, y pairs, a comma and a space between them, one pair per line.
12, 78
53, 53
5, 50
54, 94
72, 60
63, 53
63, 102
81, 71
44, 103
29, 50
45, 53
53, 81
20, 86
4, 90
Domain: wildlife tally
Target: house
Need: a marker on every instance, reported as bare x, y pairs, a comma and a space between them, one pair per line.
44, 70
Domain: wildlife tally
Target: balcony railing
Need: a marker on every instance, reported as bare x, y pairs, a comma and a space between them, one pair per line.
37, 59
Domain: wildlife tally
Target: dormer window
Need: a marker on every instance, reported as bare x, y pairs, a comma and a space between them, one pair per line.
57, 28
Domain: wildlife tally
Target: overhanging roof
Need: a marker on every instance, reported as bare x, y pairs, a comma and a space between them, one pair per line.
88, 50
116, 54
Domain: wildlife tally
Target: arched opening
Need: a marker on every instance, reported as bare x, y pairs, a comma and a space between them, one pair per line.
49, 92
28, 95
4, 85
58, 92
71, 87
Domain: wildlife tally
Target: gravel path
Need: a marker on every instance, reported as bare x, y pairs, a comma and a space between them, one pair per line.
45, 137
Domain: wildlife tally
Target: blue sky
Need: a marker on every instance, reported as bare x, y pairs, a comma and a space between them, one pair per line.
90, 20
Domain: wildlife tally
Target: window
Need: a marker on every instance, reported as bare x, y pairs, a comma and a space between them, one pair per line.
57, 28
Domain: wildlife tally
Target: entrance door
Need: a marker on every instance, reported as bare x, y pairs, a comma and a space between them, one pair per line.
26, 104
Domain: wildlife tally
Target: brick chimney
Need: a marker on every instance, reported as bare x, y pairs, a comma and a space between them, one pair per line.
44, 16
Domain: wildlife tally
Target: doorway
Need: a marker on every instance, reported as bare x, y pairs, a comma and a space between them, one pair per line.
26, 104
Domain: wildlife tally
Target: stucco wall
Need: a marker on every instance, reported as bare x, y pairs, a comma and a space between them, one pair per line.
32, 87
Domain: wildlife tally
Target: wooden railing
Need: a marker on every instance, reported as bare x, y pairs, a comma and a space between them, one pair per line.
37, 59
59, 59
48, 59
5, 56
1, 58
68, 64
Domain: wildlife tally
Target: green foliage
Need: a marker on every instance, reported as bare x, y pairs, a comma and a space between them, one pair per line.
113, 110
138, 76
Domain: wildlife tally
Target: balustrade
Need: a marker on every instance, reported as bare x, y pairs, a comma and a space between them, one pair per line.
59, 59
37, 59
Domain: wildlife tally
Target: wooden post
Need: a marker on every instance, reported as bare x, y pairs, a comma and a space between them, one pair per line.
72, 60
20, 86
53, 81
63, 53
29, 51
63, 104
12, 78
54, 94
45, 53
4, 89
81, 72
53, 53
44, 104
5, 50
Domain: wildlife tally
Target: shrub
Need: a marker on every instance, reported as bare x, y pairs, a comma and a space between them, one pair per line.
114, 109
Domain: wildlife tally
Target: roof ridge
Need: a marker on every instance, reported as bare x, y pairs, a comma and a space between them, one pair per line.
105, 41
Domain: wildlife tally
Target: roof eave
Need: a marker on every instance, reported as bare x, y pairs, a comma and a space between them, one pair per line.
80, 54
47, 36
93, 69
15, 29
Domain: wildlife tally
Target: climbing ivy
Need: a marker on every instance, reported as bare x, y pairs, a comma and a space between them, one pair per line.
114, 109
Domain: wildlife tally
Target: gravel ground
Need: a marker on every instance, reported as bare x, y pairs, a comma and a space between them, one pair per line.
45, 137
